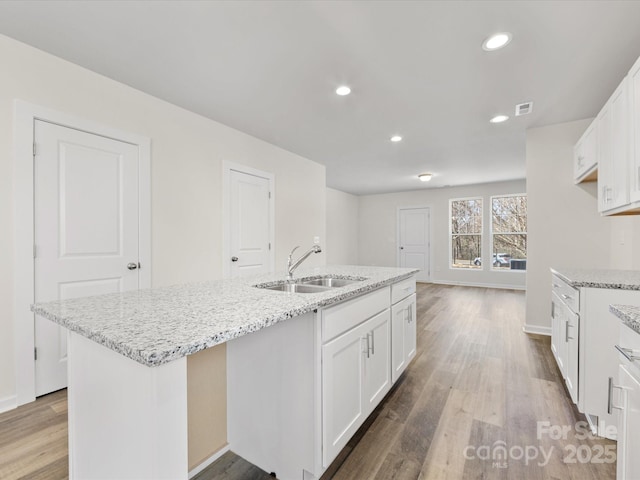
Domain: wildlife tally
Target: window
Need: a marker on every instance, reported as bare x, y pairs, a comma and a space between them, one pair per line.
466, 232
509, 232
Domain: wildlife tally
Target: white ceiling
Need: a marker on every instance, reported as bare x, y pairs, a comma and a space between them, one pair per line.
270, 69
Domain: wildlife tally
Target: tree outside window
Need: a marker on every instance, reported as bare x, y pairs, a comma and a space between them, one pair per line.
509, 232
466, 232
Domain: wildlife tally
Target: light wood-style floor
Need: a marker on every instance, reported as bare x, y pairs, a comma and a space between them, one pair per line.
478, 387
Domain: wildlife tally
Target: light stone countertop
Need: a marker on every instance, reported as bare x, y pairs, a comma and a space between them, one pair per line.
629, 314
590, 278
159, 325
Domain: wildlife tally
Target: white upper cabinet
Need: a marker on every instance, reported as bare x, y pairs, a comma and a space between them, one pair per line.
585, 156
613, 125
634, 104
613, 139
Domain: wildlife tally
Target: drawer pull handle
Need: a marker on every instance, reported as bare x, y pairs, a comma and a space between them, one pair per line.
566, 297
628, 353
373, 343
555, 285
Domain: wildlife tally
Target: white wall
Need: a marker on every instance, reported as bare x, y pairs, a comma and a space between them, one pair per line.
187, 151
342, 228
378, 231
625, 243
565, 228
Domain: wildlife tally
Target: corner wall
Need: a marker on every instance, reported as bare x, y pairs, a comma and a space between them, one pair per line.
565, 228
342, 228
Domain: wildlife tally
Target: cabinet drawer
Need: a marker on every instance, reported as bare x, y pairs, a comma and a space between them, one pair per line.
344, 316
403, 289
629, 340
568, 294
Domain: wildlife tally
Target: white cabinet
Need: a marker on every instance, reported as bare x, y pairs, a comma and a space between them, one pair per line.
628, 402
565, 321
613, 133
585, 156
628, 439
583, 335
403, 335
634, 105
355, 378
298, 390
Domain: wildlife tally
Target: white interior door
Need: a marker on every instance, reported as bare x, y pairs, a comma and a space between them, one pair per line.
250, 224
86, 214
413, 237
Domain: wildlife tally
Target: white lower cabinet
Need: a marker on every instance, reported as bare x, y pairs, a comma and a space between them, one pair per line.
624, 395
583, 344
355, 377
403, 335
298, 390
628, 467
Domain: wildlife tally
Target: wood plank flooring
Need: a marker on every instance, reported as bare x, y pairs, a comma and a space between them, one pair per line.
472, 405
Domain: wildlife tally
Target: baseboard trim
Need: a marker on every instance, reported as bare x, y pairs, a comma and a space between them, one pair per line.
481, 285
209, 461
535, 329
8, 403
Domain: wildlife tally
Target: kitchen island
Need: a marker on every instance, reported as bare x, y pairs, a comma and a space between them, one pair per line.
127, 363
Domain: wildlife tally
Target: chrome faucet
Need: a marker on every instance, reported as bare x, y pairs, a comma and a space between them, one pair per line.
291, 267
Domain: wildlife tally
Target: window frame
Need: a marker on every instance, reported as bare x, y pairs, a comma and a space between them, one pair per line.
491, 232
481, 199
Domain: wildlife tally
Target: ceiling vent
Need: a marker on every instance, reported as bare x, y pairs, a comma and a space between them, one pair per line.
524, 108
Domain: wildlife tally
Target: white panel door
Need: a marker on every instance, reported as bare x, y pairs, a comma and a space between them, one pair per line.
86, 230
414, 236
250, 224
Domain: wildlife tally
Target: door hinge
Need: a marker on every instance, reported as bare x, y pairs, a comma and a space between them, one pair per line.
269, 245
269, 194
35, 149
34, 251
35, 354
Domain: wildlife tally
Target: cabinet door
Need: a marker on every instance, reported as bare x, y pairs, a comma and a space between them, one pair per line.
558, 344
629, 426
403, 335
398, 361
410, 330
585, 154
634, 104
342, 395
377, 374
572, 325
613, 150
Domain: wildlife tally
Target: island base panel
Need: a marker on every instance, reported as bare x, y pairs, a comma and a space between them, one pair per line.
126, 420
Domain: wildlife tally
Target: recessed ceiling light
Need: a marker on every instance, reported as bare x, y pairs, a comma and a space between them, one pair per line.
499, 119
497, 41
343, 90
425, 177
396, 138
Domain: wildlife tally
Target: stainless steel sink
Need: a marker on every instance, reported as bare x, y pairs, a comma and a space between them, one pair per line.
297, 288
330, 282
312, 285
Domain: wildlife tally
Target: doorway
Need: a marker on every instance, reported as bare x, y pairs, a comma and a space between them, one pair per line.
414, 240
83, 228
249, 221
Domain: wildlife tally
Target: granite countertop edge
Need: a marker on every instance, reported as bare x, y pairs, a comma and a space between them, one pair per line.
594, 278
139, 341
629, 314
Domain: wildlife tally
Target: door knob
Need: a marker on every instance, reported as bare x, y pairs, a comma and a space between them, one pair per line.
132, 266
401, 248
234, 259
